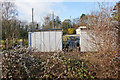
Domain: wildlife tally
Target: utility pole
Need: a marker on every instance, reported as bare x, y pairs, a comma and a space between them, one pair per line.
32, 19
53, 20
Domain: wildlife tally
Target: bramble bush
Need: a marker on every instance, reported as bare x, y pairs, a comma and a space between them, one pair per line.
22, 64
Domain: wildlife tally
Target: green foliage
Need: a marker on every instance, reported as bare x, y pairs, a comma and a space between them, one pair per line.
115, 17
65, 25
9, 22
65, 31
65, 38
21, 63
82, 15
23, 34
92, 77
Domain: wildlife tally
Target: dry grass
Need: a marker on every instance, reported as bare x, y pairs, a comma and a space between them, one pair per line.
103, 66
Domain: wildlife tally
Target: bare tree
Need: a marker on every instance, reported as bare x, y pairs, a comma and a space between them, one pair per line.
9, 21
102, 32
49, 22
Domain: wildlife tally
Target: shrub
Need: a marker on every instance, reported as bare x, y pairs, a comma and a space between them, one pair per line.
71, 31
23, 64
20, 64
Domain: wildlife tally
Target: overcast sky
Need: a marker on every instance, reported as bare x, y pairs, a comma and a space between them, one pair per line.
63, 9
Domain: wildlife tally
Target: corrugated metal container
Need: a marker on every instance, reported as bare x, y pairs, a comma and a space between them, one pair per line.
46, 40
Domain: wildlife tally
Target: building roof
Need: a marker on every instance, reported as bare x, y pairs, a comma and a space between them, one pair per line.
38, 30
82, 27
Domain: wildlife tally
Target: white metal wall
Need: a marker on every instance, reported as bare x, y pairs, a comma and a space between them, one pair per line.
46, 41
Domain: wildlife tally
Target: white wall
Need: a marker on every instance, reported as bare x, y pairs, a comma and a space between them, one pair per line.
86, 42
46, 41
78, 31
